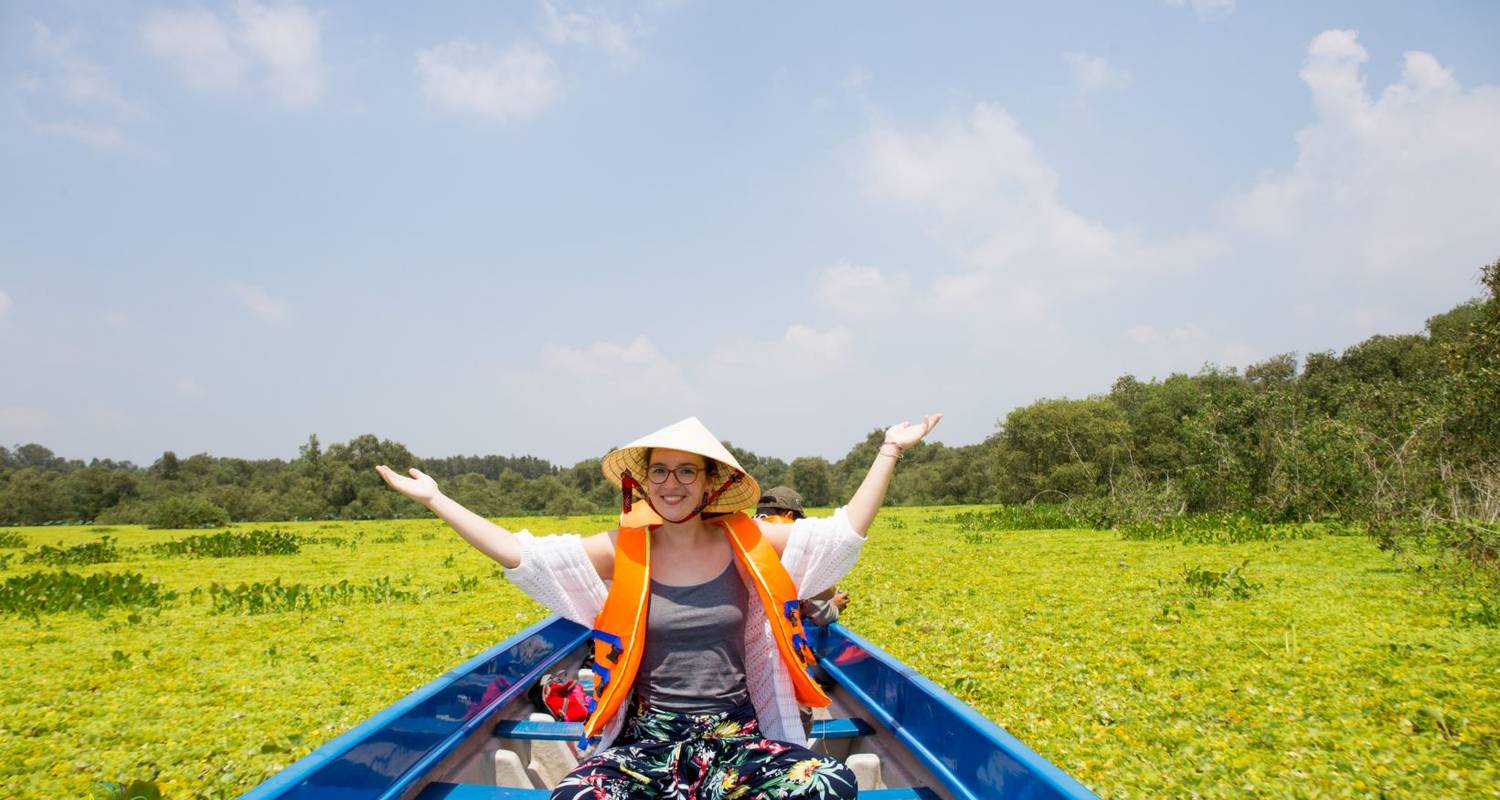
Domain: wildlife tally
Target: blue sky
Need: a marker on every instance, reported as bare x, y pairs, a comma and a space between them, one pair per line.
550, 227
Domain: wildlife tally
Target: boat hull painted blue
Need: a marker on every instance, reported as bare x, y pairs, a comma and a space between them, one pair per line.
394, 752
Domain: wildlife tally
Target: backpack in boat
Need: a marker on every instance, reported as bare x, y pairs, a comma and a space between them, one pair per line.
564, 699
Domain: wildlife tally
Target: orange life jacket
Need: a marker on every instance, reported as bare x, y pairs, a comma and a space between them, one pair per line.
620, 629
778, 519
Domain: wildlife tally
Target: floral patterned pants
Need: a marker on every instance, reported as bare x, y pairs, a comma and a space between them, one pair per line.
662, 754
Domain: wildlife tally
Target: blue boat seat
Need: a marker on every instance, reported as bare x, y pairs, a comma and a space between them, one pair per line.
469, 791
840, 728
552, 730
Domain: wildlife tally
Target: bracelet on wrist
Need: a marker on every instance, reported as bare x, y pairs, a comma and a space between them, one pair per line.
894, 455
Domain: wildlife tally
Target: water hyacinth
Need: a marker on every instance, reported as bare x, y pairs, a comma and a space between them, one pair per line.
229, 544
102, 551
56, 592
1338, 672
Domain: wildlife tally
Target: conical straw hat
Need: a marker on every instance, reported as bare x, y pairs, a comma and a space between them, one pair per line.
689, 436
640, 515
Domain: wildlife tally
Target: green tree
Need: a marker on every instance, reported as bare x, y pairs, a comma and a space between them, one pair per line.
166, 467
186, 511
87, 492
1063, 447
810, 477
311, 450
31, 497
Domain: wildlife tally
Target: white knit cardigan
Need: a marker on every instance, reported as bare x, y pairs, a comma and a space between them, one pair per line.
556, 572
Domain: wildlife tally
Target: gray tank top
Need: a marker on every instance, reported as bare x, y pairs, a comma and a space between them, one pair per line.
695, 646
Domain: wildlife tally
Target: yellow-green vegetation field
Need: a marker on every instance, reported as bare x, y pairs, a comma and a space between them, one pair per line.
1308, 668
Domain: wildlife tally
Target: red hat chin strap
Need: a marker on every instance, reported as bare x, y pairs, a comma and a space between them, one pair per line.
629, 485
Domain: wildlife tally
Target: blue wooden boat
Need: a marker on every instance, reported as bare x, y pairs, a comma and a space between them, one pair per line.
471, 734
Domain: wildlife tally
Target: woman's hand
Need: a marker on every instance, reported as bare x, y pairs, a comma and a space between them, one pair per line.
866, 501
419, 487
491, 539
904, 434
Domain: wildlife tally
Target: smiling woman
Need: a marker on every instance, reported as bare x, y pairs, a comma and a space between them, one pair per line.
701, 658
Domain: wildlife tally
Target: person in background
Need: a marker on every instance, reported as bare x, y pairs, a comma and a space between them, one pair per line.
783, 505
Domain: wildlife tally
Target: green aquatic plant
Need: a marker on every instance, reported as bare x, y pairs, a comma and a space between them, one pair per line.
40, 593
100, 552
1028, 517
274, 597
131, 790
1055, 635
1232, 581
1218, 529
229, 544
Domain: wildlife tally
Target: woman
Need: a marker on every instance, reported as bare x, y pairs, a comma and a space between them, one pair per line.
697, 638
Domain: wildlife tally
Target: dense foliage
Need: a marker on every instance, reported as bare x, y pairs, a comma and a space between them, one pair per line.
228, 544
40, 593
102, 551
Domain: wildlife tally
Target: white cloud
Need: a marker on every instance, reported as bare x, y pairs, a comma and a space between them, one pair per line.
862, 292
1149, 350
512, 84
81, 81
96, 135
607, 375
597, 30
280, 44
982, 190
72, 97
1385, 215
22, 419
188, 389
198, 44
5, 303
1092, 73
1204, 8
287, 40
618, 390
604, 359
1395, 191
259, 303
1383, 218
801, 350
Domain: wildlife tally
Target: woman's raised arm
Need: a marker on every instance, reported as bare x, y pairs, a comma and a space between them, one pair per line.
491, 539
866, 501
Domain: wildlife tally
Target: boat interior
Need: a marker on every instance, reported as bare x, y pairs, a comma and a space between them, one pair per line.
473, 734
524, 752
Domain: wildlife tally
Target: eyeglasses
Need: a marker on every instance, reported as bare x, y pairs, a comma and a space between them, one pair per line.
686, 473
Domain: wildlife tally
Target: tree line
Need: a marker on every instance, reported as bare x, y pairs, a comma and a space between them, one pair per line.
1399, 426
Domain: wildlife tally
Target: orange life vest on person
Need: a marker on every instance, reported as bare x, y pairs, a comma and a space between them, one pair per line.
620, 629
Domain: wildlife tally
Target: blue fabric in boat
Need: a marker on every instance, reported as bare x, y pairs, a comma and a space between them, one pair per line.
549, 730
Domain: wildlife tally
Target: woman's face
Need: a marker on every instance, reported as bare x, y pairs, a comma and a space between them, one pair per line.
672, 496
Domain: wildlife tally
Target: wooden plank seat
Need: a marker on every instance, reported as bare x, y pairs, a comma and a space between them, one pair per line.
555, 731
470, 791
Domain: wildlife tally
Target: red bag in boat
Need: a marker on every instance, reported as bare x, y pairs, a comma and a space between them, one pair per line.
566, 701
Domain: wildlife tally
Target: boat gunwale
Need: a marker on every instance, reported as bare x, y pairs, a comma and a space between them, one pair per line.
828, 640
326, 754
1050, 774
